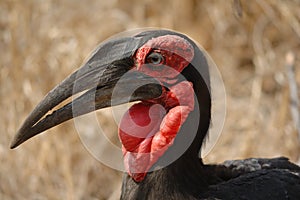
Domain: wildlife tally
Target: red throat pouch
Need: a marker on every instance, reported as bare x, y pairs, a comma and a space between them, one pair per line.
149, 128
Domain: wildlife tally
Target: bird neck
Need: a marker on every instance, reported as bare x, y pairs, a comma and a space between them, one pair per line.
183, 179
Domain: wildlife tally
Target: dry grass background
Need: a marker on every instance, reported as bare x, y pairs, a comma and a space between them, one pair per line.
41, 42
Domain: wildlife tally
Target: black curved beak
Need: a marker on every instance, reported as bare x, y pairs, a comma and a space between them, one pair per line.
109, 66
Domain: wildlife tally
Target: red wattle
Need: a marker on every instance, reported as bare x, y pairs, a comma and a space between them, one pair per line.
141, 121
148, 129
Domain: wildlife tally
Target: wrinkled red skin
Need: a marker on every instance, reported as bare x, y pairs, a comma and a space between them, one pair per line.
149, 128
178, 53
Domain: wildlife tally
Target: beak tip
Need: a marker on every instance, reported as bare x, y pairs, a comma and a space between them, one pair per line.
12, 146
18, 139
14, 143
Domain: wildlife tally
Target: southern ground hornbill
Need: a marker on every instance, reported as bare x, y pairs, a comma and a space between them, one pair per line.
162, 134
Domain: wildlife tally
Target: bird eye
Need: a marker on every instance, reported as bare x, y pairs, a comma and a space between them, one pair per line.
155, 58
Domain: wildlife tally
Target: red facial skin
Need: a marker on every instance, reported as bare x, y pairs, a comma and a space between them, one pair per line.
149, 128
178, 53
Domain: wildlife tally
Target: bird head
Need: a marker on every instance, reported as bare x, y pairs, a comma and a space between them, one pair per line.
164, 71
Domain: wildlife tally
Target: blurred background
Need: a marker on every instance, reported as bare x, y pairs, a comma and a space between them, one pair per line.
42, 41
